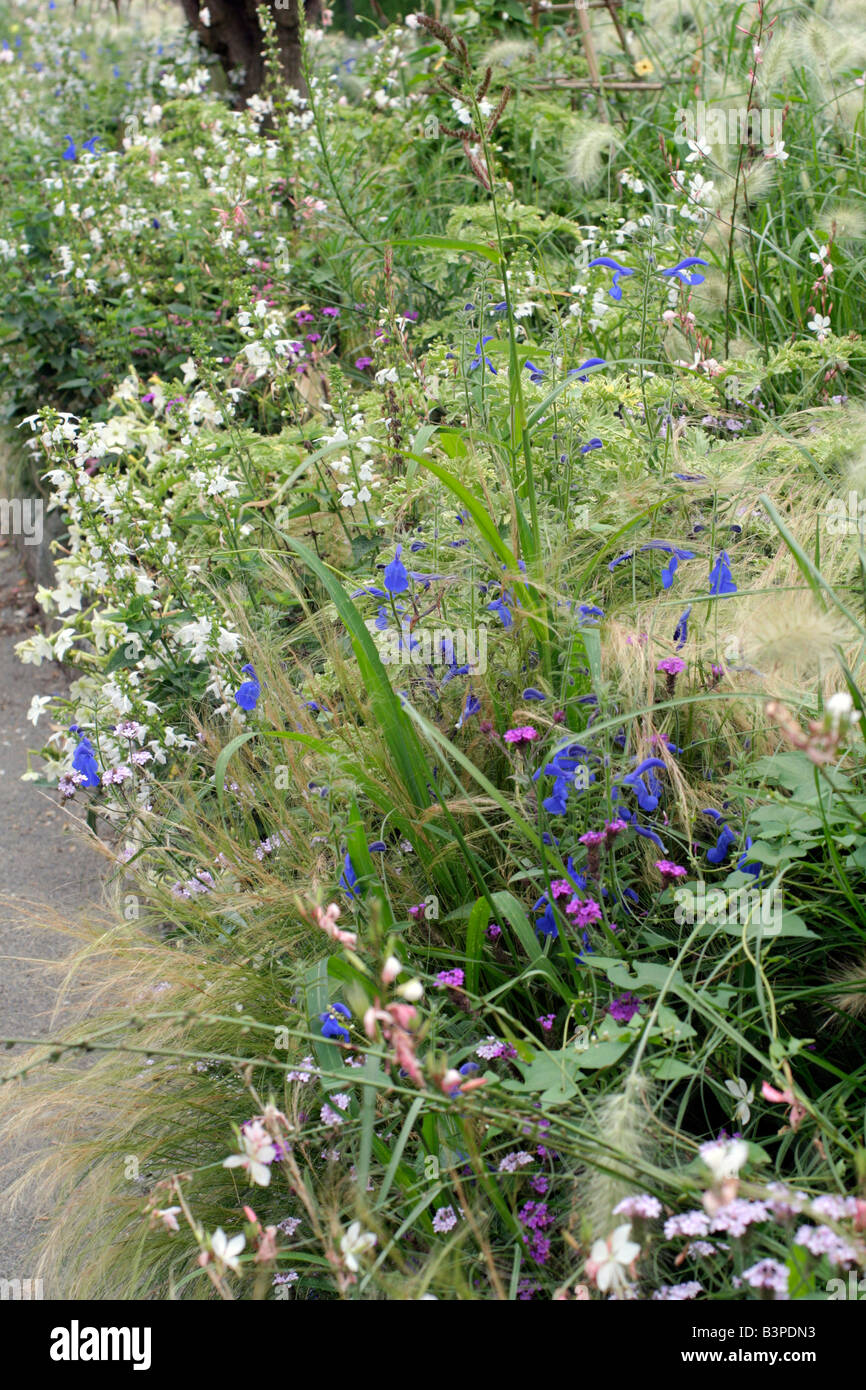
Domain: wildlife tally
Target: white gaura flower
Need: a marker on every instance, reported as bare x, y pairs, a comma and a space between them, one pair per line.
777, 151
724, 1158
820, 325
354, 1243
386, 374
838, 708
258, 1153
190, 370
609, 1260
225, 1250
168, 1217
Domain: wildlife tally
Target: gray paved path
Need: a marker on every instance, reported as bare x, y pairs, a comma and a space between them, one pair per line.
41, 860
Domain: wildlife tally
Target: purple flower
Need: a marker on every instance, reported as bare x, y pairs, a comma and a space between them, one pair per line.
769, 1275
624, 1007
450, 979
820, 1240
678, 1293
590, 445
444, 1220
363, 362
671, 665
640, 1207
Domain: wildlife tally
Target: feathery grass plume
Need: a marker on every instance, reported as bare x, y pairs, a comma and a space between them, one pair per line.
587, 149
669, 18
813, 43
851, 999
508, 53
848, 110
847, 220
776, 68
790, 633
624, 1121
758, 178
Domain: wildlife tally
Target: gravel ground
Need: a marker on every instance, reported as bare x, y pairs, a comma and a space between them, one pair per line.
41, 860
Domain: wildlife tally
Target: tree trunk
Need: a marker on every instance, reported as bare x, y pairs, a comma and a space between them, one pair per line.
235, 35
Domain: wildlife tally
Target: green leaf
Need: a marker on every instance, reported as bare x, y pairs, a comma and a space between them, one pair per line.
475, 928
387, 711
222, 763
447, 243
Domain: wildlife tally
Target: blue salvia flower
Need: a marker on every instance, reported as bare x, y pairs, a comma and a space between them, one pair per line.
546, 924
247, 694
530, 693
349, 878
620, 272
535, 373
580, 372
590, 614
721, 579
481, 357
670, 569
396, 579
70, 152
557, 803
681, 271
681, 631
742, 863
678, 552
722, 848
500, 607
644, 831
647, 793
472, 706
84, 761
331, 1024
371, 590
590, 445
377, 847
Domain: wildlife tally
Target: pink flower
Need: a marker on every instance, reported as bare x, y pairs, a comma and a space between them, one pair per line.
327, 920
796, 1114
669, 871
524, 734
671, 665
